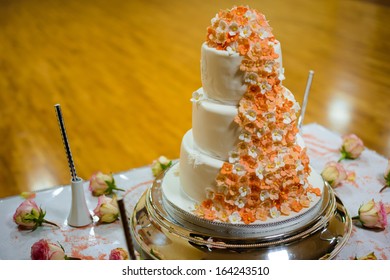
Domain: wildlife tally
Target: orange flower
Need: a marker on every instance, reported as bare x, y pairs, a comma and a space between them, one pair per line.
253, 89
316, 191
243, 48
304, 201
247, 216
207, 204
209, 214
296, 206
226, 168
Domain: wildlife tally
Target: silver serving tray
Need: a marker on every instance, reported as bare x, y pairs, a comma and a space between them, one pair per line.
158, 235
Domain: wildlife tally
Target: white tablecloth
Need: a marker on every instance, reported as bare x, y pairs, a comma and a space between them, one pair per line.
97, 240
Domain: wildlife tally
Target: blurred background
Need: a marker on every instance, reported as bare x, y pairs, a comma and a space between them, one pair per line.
124, 72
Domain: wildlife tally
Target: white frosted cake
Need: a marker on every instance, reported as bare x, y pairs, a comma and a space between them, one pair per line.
243, 163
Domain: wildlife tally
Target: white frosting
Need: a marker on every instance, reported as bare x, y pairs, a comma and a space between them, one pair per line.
213, 126
197, 170
222, 78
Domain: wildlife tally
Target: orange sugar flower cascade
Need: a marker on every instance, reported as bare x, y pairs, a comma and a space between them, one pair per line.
267, 171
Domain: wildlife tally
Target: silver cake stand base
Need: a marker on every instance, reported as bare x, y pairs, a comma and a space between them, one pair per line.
158, 236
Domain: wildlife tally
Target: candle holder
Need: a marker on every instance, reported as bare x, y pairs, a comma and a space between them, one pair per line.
79, 215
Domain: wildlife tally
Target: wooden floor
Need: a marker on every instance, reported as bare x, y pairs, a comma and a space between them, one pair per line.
124, 71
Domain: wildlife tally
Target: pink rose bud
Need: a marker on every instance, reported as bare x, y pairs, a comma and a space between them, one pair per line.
118, 254
387, 171
387, 177
372, 215
29, 216
107, 209
45, 250
160, 165
100, 184
352, 147
334, 173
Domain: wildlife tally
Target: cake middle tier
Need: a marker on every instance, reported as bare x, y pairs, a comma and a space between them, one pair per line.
213, 126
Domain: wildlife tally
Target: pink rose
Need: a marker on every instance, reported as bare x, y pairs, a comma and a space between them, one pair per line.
107, 209
100, 184
118, 254
29, 216
44, 250
352, 147
372, 215
160, 165
334, 173
387, 177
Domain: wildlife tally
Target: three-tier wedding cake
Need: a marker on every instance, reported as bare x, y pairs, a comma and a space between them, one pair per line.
243, 166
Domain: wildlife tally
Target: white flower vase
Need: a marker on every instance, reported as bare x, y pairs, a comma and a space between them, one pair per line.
79, 215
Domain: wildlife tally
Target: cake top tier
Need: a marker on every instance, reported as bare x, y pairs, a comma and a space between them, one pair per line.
238, 29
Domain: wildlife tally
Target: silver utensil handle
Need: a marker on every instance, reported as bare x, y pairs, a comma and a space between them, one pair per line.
305, 99
66, 142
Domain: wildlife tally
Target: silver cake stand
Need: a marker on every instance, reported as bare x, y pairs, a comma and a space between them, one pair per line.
157, 235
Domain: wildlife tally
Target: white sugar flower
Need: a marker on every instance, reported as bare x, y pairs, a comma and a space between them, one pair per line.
245, 136
311, 196
265, 86
264, 34
223, 26
301, 179
233, 28
232, 48
274, 212
259, 133
245, 32
277, 135
286, 118
239, 169
234, 156
260, 172
279, 161
253, 152
251, 16
270, 116
281, 75
264, 195
268, 67
215, 20
244, 190
288, 95
220, 37
235, 217
300, 166
240, 202
251, 78
197, 97
251, 115
296, 107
